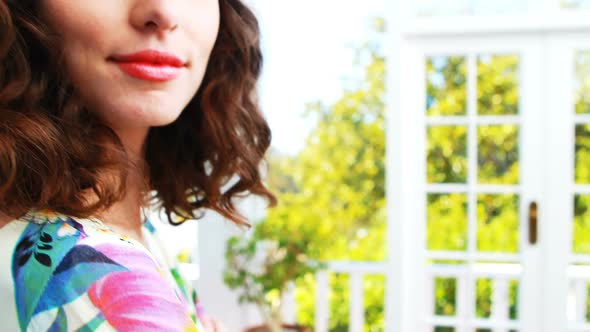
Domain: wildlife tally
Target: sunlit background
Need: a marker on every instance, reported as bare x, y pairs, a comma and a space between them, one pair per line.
432, 167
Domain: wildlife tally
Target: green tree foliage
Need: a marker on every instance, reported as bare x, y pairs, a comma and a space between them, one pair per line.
262, 266
333, 192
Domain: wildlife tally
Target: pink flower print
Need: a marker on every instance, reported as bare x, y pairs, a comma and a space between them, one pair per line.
141, 299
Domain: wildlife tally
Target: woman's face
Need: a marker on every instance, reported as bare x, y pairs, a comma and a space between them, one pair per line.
136, 63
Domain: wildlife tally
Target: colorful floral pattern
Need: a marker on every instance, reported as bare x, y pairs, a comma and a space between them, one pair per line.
77, 275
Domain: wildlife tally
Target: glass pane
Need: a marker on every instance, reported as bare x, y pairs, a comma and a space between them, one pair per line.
447, 154
498, 154
445, 290
447, 222
446, 87
582, 82
444, 329
575, 4
497, 223
513, 294
581, 236
497, 84
582, 152
483, 298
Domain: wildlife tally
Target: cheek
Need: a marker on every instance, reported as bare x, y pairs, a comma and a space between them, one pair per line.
83, 59
203, 29
78, 24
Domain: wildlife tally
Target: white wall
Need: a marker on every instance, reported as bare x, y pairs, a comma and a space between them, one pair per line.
219, 301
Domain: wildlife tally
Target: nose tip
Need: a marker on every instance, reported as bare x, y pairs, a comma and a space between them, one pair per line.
154, 15
160, 22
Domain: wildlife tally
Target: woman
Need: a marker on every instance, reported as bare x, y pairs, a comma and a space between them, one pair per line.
106, 108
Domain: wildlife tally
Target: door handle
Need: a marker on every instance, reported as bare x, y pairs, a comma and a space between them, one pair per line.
533, 223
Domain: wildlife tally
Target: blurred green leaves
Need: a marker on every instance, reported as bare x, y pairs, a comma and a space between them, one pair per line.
446, 86
447, 154
582, 82
497, 84
447, 222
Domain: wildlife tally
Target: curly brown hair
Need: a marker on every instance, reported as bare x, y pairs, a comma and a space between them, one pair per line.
52, 150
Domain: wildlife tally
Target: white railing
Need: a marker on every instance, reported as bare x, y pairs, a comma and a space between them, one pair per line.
357, 271
500, 275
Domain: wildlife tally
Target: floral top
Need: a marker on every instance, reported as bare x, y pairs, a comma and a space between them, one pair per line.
59, 273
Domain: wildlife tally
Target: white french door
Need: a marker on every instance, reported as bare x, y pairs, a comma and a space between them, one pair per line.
499, 126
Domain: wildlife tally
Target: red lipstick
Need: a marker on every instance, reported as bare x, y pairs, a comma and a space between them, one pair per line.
150, 65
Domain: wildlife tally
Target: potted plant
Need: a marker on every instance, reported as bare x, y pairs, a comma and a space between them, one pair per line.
262, 265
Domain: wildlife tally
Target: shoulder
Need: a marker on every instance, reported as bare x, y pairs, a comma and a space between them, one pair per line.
84, 276
55, 261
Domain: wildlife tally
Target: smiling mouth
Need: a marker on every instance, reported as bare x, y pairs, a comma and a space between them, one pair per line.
150, 65
150, 71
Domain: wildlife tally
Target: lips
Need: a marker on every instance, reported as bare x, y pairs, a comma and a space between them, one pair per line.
150, 65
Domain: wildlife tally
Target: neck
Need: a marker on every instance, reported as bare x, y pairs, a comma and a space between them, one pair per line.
133, 140
124, 216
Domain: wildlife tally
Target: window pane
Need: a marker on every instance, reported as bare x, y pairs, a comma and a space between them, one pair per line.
447, 154
497, 223
447, 222
497, 84
444, 329
483, 298
445, 303
446, 88
582, 82
513, 296
498, 152
582, 151
581, 229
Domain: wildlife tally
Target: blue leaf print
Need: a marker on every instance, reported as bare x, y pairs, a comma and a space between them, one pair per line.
31, 276
78, 270
43, 258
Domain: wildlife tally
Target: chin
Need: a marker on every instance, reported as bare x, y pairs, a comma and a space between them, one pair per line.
156, 116
142, 114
